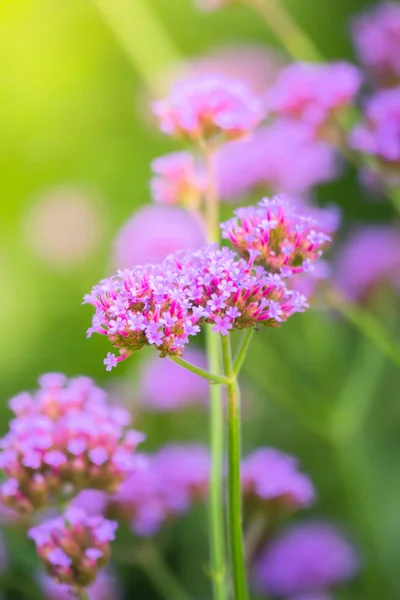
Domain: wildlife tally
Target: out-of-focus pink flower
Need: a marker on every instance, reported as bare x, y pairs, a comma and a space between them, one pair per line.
74, 546
370, 257
64, 227
308, 558
210, 5
269, 476
177, 180
104, 588
207, 108
376, 35
314, 93
282, 157
154, 232
65, 437
256, 65
379, 135
165, 386
175, 477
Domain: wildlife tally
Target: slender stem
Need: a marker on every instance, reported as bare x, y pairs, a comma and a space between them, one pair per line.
82, 594
234, 481
216, 502
242, 350
293, 39
216, 508
151, 562
211, 377
143, 36
367, 324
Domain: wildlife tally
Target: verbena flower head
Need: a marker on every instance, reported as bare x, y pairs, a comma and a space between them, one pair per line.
376, 35
209, 108
164, 305
269, 476
307, 558
265, 161
165, 386
103, 588
379, 135
311, 596
74, 546
175, 478
369, 259
314, 93
64, 437
154, 232
177, 180
276, 236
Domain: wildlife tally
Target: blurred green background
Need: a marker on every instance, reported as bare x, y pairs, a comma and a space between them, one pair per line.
73, 117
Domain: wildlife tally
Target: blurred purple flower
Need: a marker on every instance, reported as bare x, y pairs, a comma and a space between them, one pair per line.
266, 160
177, 180
370, 257
165, 386
376, 35
154, 232
104, 588
306, 559
207, 107
273, 477
379, 135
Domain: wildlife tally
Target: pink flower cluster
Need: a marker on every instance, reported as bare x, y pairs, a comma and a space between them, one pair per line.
164, 305
376, 34
64, 438
269, 476
74, 546
379, 136
209, 107
274, 235
314, 93
173, 479
177, 180
267, 159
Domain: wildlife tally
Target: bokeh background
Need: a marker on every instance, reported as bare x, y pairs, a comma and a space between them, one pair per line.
76, 143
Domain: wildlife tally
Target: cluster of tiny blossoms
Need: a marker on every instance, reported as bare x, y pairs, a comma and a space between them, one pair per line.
208, 107
274, 235
177, 180
164, 305
64, 438
73, 547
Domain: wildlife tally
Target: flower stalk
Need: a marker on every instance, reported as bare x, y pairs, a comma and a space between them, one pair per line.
234, 480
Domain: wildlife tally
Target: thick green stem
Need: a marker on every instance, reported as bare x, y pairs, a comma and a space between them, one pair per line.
234, 481
242, 350
211, 377
293, 39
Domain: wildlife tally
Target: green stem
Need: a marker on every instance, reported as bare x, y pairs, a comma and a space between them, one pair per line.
82, 594
234, 481
211, 377
216, 502
242, 350
216, 508
293, 39
153, 565
368, 325
146, 41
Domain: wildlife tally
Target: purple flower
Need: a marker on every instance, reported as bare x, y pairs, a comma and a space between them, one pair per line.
376, 35
306, 559
72, 547
154, 232
265, 161
271, 476
65, 438
206, 107
110, 361
222, 325
368, 259
165, 386
314, 93
379, 135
